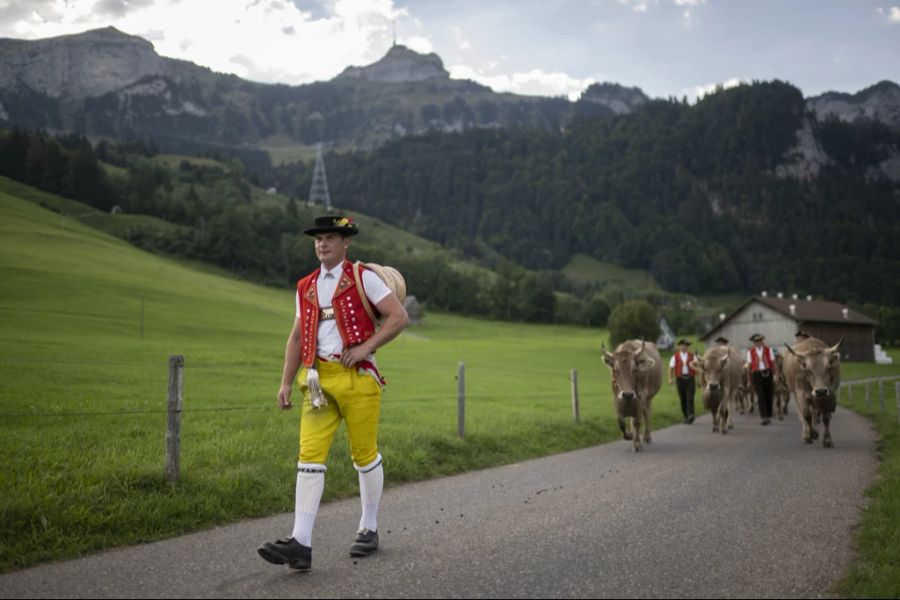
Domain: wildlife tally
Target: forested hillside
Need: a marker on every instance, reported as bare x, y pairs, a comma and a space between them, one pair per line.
743, 191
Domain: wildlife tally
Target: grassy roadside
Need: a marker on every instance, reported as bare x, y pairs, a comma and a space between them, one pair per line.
876, 571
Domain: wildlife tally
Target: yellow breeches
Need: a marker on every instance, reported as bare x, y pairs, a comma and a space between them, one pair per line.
351, 396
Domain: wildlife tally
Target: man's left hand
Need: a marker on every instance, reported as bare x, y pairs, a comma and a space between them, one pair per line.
353, 355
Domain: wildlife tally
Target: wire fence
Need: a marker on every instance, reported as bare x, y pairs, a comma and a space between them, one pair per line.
550, 394
555, 393
867, 384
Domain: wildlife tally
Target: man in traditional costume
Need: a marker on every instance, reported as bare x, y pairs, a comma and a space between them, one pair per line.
761, 371
680, 368
334, 339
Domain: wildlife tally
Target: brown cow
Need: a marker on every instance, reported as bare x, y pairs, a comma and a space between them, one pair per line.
636, 377
746, 396
722, 368
782, 395
813, 372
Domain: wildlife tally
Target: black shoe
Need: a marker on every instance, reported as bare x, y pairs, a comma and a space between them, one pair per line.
766, 421
290, 551
690, 419
366, 543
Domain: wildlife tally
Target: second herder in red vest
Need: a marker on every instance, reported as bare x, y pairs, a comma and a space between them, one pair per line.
761, 372
680, 367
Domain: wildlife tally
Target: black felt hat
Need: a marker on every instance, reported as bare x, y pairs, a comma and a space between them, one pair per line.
801, 333
684, 341
333, 224
756, 337
721, 340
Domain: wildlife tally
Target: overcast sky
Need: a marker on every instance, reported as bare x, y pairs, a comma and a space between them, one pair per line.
547, 47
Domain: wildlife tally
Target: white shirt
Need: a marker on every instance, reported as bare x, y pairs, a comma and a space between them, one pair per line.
684, 363
328, 339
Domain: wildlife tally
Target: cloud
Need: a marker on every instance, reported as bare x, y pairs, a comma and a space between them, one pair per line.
698, 91
418, 43
892, 13
535, 82
119, 8
275, 40
644, 6
462, 42
640, 6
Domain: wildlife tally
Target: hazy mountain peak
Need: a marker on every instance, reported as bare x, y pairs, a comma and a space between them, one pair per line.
879, 102
616, 97
398, 65
80, 65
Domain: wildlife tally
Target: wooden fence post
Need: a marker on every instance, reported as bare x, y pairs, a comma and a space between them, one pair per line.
881, 394
175, 405
897, 392
575, 411
849, 394
868, 400
461, 399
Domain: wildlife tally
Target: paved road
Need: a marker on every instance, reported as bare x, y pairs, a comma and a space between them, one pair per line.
755, 513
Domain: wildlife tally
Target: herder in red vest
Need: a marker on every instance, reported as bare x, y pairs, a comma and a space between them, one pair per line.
334, 340
762, 369
680, 367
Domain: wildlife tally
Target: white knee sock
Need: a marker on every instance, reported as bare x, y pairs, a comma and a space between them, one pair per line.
371, 482
310, 484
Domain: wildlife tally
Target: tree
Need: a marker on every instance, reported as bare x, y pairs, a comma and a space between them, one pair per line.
633, 320
86, 181
596, 313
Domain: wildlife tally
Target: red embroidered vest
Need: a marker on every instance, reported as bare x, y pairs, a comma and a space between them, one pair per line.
679, 366
353, 322
766, 363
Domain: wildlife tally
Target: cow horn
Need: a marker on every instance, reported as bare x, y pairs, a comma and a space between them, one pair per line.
791, 350
836, 347
641, 351
608, 357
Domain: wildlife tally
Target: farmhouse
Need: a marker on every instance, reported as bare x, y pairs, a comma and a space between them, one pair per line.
779, 318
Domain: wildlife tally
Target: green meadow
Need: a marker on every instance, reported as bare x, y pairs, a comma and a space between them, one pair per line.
630, 282
83, 393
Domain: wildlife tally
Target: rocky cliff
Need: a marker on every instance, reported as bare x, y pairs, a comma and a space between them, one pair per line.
78, 66
617, 98
880, 102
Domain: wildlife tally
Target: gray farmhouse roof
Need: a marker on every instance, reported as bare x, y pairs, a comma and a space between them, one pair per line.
805, 311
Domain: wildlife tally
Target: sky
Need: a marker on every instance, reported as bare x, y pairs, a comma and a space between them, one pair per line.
546, 47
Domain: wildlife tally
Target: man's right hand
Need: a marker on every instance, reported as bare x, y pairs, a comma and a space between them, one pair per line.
284, 397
